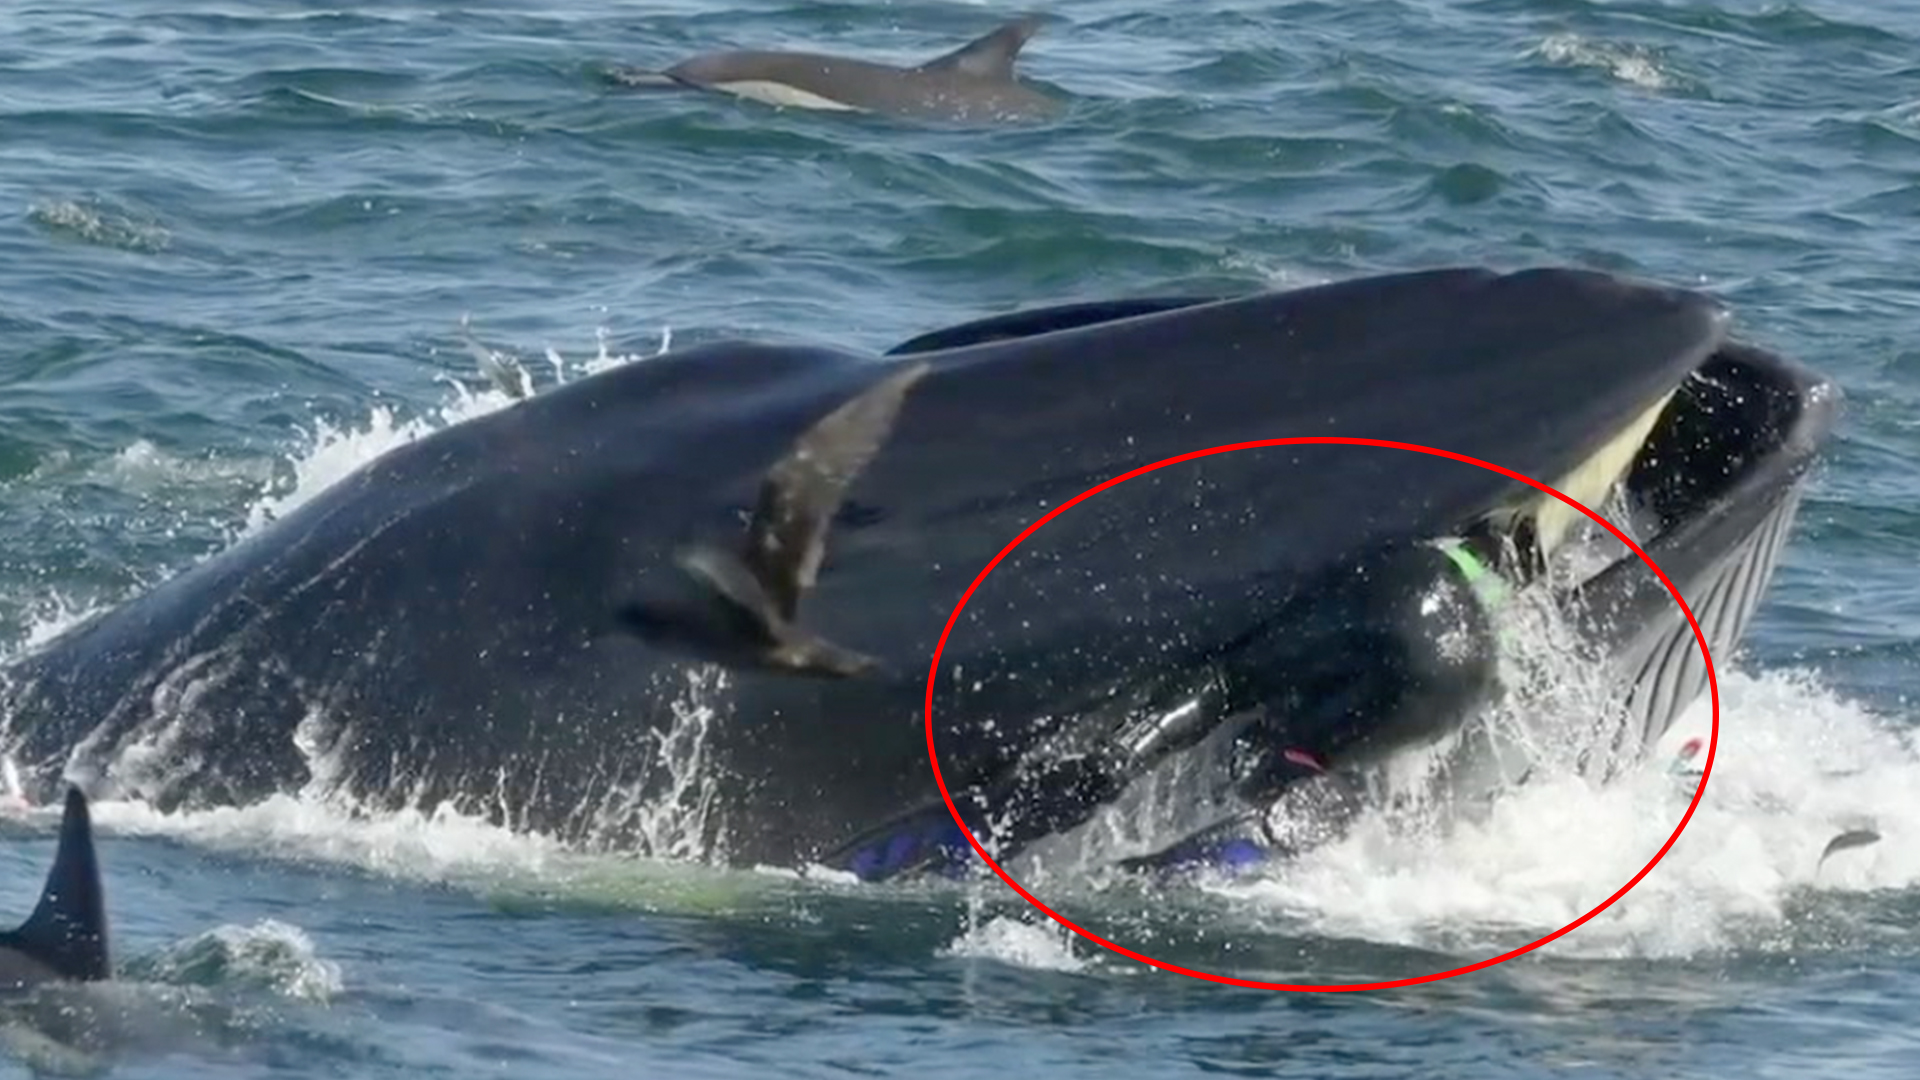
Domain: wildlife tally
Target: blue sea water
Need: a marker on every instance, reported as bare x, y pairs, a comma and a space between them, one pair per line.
237, 242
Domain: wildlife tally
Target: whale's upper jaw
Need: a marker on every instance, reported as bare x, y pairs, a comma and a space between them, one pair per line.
1556, 374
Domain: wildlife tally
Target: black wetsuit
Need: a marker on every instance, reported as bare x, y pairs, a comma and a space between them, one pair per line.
1375, 658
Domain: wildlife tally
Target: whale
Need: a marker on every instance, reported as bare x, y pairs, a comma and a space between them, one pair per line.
687, 607
975, 83
64, 940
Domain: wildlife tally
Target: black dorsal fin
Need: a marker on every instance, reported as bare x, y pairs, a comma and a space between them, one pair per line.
992, 56
68, 929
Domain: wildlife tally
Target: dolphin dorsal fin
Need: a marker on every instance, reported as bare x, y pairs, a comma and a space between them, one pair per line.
68, 928
992, 56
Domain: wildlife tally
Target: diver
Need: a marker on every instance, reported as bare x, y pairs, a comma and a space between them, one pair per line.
1379, 658
1381, 655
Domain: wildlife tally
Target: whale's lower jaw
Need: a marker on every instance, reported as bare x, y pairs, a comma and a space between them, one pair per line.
1711, 500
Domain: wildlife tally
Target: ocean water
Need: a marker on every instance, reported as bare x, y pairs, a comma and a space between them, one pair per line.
237, 242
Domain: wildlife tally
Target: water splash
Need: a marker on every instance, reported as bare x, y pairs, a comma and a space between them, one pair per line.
333, 452
675, 823
1797, 765
96, 221
1634, 64
1028, 941
270, 955
678, 822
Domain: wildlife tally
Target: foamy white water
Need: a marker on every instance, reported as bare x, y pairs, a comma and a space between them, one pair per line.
334, 452
1634, 64
1030, 941
1796, 766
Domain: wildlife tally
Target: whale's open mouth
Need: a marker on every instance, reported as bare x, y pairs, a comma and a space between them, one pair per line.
1704, 471
1708, 485
1710, 498
1717, 459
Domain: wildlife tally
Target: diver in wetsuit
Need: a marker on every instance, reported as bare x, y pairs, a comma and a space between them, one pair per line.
1390, 657
1390, 653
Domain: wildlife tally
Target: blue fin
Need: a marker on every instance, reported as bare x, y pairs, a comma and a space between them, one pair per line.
1233, 845
68, 928
923, 841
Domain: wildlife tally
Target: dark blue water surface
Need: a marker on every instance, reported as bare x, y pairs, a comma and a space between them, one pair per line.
236, 244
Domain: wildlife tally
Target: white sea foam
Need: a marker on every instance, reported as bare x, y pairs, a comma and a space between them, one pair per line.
1796, 765
1628, 63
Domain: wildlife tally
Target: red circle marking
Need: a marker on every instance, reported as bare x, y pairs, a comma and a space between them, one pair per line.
1713, 744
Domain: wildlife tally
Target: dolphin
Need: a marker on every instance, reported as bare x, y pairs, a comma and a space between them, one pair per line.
65, 939
975, 83
688, 604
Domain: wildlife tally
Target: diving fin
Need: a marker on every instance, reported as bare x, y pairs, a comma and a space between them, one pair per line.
67, 932
761, 583
1241, 842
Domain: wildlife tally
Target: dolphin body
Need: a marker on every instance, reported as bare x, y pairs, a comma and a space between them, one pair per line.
688, 605
65, 939
975, 83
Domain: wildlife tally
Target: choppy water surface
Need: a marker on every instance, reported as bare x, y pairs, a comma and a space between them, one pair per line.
236, 242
